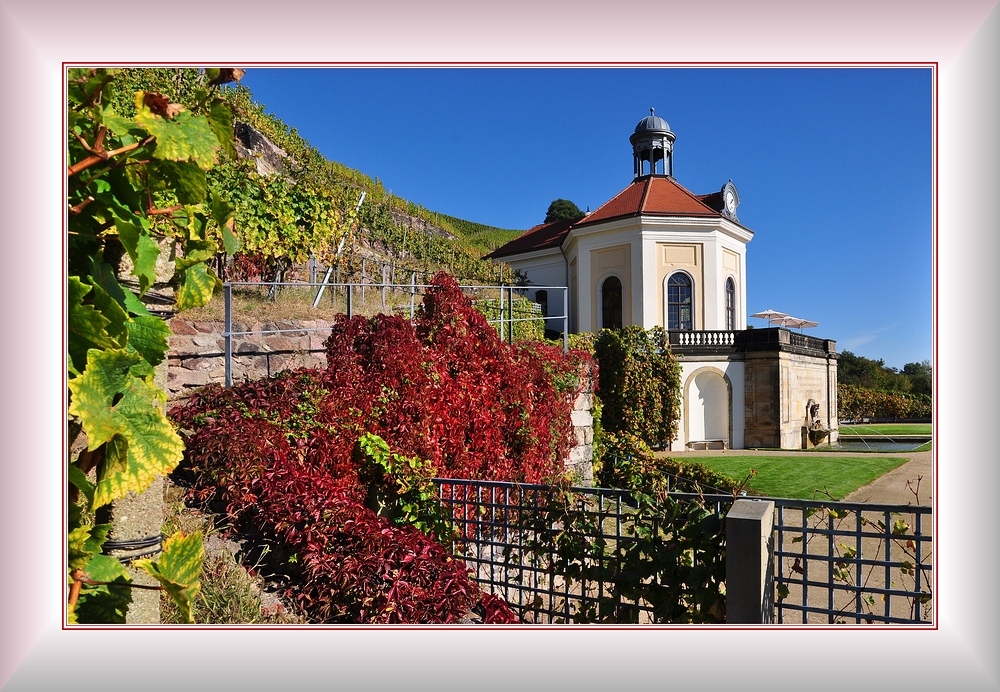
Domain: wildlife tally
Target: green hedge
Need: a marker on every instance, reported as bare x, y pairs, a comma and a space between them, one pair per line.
855, 402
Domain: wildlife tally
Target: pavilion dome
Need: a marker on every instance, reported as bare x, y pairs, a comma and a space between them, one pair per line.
652, 123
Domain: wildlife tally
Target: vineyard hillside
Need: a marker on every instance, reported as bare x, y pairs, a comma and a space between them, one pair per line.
291, 203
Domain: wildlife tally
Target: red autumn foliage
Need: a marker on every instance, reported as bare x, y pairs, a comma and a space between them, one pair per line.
444, 389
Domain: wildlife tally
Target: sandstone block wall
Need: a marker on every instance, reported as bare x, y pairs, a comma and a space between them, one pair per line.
197, 351
778, 387
581, 456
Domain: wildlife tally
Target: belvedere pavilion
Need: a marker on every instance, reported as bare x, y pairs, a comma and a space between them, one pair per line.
657, 254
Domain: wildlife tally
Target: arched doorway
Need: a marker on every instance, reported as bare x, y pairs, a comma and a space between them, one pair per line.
611, 303
708, 407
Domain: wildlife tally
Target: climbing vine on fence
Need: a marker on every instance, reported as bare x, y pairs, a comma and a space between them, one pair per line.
137, 188
671, 560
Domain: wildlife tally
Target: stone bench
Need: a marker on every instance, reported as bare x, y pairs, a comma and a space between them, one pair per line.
707, 444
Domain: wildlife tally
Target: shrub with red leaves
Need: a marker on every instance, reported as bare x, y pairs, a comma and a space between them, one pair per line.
445, 390
496, 611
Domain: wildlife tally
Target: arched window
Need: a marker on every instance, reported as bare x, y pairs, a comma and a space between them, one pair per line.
730, 304
680, 302
611, 303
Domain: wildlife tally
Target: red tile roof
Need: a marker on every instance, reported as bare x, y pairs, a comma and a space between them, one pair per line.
538, 237
651, 196
646, 196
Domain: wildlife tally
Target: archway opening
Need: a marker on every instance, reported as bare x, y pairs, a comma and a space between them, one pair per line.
708, 407
611, 303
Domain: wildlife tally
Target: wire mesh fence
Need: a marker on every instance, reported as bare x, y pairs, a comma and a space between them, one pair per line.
835, 562
840, 562
513, 544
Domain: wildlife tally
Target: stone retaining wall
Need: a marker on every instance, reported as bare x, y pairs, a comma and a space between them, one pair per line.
197, 352
581, 456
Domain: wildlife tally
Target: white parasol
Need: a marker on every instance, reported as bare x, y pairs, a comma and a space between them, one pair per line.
770, 315
796, 322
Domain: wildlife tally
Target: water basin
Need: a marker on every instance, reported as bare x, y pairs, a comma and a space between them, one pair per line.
873, 446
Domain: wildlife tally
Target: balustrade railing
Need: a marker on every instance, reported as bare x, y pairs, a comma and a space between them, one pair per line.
703, 338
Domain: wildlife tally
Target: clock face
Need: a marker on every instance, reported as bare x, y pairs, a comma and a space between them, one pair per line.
730, 201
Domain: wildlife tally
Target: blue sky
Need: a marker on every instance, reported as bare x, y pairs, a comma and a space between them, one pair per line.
833, 165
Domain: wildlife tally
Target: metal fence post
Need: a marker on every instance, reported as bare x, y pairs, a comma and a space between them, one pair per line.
413, 293
385, 286
500, 311
566, 319
350, 306
510, 315
227, 335
750, 562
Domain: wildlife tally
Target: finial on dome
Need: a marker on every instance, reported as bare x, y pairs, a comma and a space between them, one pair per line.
650, 111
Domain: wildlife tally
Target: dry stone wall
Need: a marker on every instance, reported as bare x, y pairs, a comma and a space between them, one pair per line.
197, 351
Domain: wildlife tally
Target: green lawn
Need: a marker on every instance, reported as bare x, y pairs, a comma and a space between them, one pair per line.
887, 429
800, 477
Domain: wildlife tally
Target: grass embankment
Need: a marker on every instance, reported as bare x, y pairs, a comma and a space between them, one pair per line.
807, 477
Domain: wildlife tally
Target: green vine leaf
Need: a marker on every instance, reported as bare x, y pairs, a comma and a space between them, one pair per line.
105, 603
221, 119
78, 479
148, 335
88, 327
186, 179
141, 249
178, 569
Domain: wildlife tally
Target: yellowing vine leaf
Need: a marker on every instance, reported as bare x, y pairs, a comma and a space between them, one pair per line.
84, 543
186, 137
110, 401
178, 569
196, 282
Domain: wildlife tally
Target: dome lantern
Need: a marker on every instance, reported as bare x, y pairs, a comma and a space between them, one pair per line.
653, 141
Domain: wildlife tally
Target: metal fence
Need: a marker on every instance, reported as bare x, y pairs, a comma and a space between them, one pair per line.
843, 562
490, 518
834, 562
505, 306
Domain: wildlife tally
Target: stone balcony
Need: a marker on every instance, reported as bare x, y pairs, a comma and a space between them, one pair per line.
729, 342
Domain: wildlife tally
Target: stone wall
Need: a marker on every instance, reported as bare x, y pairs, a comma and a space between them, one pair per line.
581, 457
197, 352
779, 384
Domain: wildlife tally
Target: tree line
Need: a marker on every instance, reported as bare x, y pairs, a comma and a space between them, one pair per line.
913, 378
